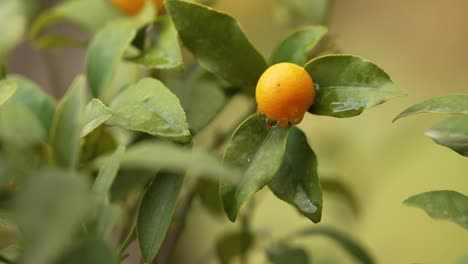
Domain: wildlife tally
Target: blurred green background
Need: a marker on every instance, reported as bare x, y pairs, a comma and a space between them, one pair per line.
423, 46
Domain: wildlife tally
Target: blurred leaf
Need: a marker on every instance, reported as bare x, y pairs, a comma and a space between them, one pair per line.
208, 192
12, 13
66, 127
297, 47
100, 141
348, 85
287, 255
259, 152
155, 213
297, 181
442, 205
449, 104
233, 244
335, 186
107, 174
19, 126
53, 41
34, 98
218, 42
8, 230
103, 218
463, 260
104, 56
311, 11
11, 254
91, 251
89, 15
452, 133
354, 248
49, 210
150, 107
156, 156
96, 114
128, 181
7, 90
165, 50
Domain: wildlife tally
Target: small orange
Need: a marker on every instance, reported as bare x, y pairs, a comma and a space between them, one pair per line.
132, 7
284, 93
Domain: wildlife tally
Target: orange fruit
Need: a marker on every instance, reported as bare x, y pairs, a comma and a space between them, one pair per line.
284, 93
132, 7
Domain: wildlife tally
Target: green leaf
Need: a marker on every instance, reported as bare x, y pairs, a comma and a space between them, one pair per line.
305, 11
11, 14
33, 97
353, 247
208, 192
165, 51
287, 255
297, 181
89, 15
347, 85
150, 107
104, 56
155, 213
25, 133
259, 152
66, 127
452, 133
449, 104
156, 156
107, 174
90, 251
218, 42
233, 244
442, 205
7, 90
49, 210
296, 48
96, 114
463, 260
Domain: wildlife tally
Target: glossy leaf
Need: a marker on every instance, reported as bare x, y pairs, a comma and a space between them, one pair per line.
287, 255
150, 107
7, 90
442, 205
155, 213
232, 245
218, 42
296, 48
49, 210
90, 251
33, 97
66, 126
165, 51
353, 247
259, 152
157, 155
297, 181
104, 56
452, 133
347, 85
96, 114
107, 174
449, 104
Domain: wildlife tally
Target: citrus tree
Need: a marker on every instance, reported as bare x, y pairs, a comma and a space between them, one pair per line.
122, 155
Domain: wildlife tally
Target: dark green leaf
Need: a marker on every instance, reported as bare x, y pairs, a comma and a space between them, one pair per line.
353, 247
218, 42
150, 107
208, 192
259, 152
128, 181
7, 90
347, 85
90, 251
337, 187
233, 244
157, 155
96, 114
49, 210
297, 47
155, 213
104, 56
165, 50
107, 174
66, 127
449, 104
287, 255
297, 182
442, 205
452, 133
33, 97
